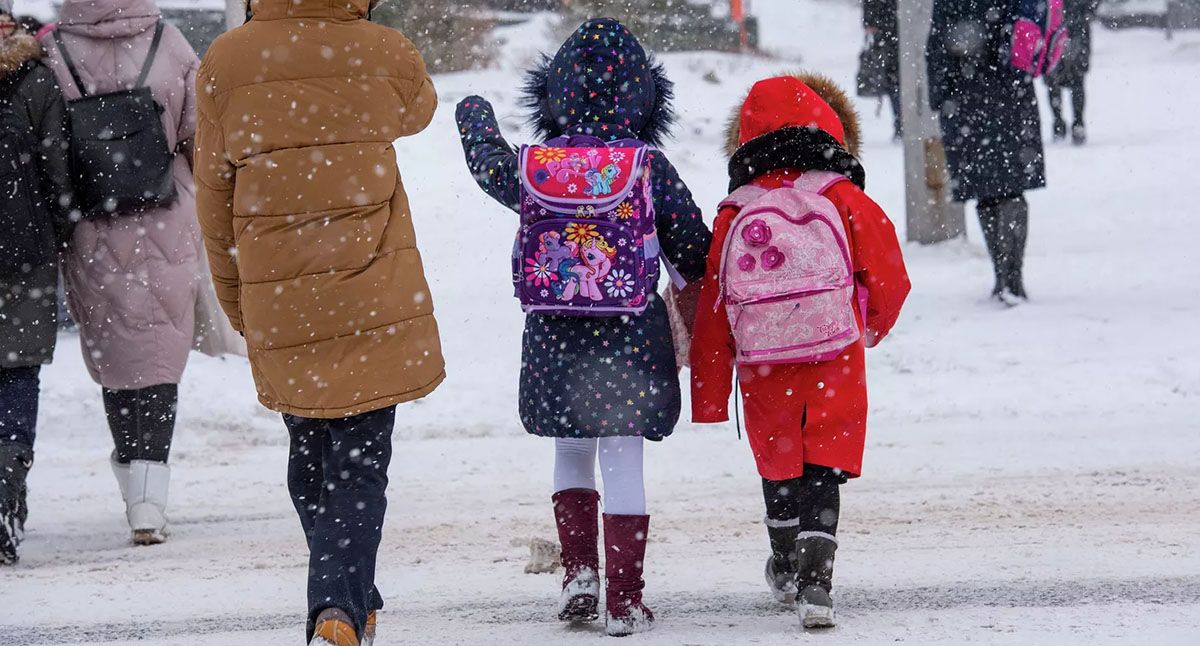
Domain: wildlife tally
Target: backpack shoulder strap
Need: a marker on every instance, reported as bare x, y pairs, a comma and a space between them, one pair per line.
158, 31
819, 181
69, 62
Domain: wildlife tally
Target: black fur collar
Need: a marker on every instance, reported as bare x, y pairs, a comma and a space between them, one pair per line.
799, 147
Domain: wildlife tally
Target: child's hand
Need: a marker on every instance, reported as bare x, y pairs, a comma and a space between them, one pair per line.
687, 300
473, 104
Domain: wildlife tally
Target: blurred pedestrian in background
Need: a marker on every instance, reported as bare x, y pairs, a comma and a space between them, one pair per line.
132, 277
879, 62
1072, 71
990, 126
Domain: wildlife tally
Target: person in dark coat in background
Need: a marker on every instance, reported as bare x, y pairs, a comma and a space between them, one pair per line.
28, 305
598, 384
990, 126
880, 22
1072, 70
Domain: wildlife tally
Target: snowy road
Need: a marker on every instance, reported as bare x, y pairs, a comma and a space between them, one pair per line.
1032, 475
1050, 556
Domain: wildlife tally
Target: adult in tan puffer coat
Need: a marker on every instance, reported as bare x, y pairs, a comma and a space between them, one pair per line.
314, 258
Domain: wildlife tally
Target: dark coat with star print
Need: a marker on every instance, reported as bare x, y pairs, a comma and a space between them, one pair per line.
597, 377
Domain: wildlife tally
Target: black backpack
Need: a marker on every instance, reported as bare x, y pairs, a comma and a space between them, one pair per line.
25, 238
120, 160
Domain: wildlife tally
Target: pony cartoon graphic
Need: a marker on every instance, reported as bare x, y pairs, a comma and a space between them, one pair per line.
553, 250
600, 181
560, 257
595, 261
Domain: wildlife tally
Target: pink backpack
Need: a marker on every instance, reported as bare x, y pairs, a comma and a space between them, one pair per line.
786, 278
1039, 36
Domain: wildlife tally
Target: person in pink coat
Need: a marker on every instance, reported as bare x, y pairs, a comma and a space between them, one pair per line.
132, 279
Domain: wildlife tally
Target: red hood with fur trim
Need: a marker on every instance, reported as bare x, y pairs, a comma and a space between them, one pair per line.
794, 100
784, 102
797, 121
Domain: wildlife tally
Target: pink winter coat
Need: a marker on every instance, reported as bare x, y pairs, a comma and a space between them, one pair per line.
132, 280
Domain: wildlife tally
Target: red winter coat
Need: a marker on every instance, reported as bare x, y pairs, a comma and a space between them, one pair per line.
813, 413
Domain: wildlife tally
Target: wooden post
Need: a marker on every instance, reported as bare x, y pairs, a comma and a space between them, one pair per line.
932, 214
235, 13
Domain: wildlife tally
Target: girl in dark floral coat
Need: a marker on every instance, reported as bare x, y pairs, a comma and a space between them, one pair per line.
598, 384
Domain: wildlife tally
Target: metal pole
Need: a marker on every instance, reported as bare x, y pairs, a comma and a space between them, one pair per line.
932, 215
235, 13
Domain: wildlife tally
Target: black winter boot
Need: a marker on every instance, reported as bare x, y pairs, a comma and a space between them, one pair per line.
781, 565
1014, 218
814, 604
15, 461
995, 239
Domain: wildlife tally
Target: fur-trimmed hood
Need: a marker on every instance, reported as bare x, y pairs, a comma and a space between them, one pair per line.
16, 50
601, 75
827, 90
798, 121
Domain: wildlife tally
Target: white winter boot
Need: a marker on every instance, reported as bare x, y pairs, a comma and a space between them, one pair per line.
121, 473
146, 501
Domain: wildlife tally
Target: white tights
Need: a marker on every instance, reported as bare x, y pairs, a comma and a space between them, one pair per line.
620, 464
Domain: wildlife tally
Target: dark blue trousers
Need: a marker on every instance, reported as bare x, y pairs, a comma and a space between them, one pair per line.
337, 476
19, 389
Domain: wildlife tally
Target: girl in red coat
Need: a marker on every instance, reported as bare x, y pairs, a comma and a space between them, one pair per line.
806, 421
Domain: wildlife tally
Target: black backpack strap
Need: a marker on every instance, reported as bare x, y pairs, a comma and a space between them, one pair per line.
70, 63
158, 31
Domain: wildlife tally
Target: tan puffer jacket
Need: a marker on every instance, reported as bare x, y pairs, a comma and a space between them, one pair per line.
305, 219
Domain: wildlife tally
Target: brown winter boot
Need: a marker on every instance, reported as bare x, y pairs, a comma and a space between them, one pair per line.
334, 628
368, 636
624, 554
576, 512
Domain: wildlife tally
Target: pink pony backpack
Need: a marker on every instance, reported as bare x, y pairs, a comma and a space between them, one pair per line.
786, 277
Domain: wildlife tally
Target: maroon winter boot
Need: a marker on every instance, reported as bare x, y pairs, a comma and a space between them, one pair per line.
624, 552
576, 512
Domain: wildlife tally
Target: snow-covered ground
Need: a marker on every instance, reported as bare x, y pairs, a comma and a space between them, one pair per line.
1032, 476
